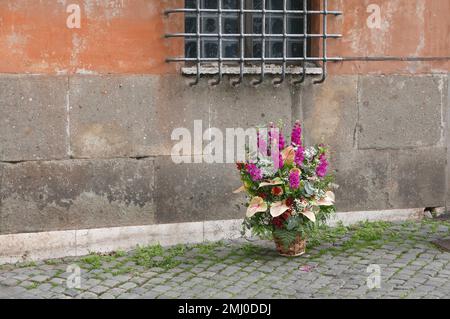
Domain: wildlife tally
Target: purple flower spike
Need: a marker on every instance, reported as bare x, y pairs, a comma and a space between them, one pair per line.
299, 156
277, 160
255, 172
294, 179
281, 141
296, 137
322, 168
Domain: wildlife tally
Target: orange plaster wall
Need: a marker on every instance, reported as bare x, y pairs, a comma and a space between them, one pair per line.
116, 36
409, 28
127, 36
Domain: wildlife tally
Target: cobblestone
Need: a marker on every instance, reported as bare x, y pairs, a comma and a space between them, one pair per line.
411, 267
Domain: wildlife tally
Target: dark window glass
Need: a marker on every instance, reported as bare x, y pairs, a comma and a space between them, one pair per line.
210, 48
210, 4
190, 4
231, 22
191, 49
230, 48
230, 4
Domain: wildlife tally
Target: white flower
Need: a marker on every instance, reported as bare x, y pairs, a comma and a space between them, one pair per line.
266, 165
310, 152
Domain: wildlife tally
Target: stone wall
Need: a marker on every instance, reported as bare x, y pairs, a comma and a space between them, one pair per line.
388, 136
94, 151
86, 115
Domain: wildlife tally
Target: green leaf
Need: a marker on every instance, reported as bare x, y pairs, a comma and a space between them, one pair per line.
309, 189
292, 223
286, 237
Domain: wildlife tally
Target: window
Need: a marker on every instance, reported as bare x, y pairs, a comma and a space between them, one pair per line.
253, 36
231, 44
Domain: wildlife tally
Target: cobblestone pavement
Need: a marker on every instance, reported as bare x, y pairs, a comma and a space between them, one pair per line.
410, 267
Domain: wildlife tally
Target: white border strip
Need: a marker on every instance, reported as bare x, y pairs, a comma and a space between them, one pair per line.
57, 244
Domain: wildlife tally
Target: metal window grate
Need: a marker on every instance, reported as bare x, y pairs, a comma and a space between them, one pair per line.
257, 35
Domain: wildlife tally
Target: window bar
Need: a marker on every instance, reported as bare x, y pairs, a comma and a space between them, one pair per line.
283, 68
324, 44
170, 11
254, 35
179, 59
199, 47
305, 42
219, 63
263, 45
242, 44
243, 35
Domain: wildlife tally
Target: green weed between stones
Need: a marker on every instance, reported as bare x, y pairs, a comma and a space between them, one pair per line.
34, 285
332, 240
250, 250
92, 261
339, 239
27, 264
208, 248
53, 262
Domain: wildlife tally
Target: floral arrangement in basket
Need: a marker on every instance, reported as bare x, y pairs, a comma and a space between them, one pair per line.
289, 191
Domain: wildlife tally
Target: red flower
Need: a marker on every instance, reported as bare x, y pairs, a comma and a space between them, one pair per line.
240, 166
277, 222
277, 191
262, 195
286, 215
290, 201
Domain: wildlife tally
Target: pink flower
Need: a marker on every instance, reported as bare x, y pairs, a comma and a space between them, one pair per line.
254, 171
294, 178
296, 137
322, 168
281, 141
299, 155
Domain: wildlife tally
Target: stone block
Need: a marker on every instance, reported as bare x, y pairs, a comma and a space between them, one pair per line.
247, 106
196, 192
398, 112
329, 112
111, 116
135, 115
222, 107
42, 196
363, 179
33, 121
418, 178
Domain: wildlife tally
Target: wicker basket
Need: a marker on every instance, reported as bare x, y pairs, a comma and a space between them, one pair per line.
297, 248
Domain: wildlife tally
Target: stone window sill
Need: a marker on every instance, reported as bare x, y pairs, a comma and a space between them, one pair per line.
251, 70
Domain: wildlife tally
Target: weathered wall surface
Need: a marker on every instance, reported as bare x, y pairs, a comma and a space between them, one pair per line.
86, 115
408, 29
127, 36
388, 136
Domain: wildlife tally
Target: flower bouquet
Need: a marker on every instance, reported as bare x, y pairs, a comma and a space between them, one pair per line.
289, 192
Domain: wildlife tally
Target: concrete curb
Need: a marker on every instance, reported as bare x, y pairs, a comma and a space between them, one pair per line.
56, 244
